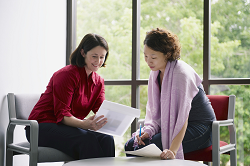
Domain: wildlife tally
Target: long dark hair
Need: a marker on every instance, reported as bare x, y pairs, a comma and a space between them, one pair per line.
88, 42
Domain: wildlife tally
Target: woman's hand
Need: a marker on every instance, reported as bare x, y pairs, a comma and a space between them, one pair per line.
167, 154
143, 136
95, 124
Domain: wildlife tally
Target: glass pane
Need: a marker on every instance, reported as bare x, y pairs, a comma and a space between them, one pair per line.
143, 100
230, 39
185, 19
242, 108
122, 95
113, 20
118, 94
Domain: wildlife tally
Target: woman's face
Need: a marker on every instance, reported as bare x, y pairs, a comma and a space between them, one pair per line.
156, 60
94, 59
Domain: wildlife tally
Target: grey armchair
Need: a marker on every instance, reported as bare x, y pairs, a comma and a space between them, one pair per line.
19, 107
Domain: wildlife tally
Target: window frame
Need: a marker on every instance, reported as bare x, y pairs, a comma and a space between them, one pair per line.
135, 81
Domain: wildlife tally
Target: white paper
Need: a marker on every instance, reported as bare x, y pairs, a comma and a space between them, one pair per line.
150, 150
119, 117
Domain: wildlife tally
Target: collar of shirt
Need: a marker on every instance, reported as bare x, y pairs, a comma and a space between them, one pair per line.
92, 77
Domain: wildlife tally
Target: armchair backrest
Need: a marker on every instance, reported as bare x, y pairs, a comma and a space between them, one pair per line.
20, 105
223, 106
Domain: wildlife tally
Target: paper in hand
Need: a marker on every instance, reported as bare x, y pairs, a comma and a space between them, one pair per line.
119, 117
150, 150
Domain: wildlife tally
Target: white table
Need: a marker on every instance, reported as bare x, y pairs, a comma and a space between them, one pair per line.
132, 161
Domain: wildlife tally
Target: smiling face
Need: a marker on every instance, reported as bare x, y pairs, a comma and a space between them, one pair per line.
94, 59
156, 60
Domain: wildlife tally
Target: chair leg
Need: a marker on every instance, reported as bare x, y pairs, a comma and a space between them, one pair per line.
233, 158
216, 161
9, 158
33, 160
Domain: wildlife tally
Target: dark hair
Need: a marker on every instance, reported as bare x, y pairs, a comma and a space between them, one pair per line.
88, 42
165, 42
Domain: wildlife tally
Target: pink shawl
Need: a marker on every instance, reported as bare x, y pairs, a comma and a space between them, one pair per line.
167, 111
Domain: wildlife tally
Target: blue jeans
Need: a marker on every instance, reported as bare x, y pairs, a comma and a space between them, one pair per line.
76, 142
197, 136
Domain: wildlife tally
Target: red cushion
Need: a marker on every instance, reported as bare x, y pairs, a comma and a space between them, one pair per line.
202, 154
220, 106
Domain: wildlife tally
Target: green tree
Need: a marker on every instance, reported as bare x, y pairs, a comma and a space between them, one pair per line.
233, 16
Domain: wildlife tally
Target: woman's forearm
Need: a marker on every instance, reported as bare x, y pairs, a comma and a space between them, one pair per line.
90, 123
178, 139
73, 121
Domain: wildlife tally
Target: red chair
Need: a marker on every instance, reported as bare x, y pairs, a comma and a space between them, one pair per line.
224, 108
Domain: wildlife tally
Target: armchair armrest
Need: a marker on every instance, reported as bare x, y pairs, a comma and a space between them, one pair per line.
216, 135
227, 122
34, 128
24, 122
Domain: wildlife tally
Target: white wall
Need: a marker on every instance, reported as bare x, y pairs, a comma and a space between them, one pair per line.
32, 48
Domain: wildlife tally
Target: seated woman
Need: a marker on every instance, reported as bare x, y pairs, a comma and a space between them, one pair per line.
71, 94
179, 115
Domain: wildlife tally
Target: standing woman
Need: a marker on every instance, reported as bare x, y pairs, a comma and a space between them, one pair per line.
71, 94
179, 115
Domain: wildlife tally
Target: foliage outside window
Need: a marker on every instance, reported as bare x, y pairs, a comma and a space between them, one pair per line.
230, 39
111, 19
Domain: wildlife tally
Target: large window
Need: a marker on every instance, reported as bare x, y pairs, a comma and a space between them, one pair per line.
215, 40
230, 39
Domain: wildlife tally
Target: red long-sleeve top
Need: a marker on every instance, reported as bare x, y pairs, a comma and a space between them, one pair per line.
70, 92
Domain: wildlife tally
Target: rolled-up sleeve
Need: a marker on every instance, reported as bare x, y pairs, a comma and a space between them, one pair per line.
63, 90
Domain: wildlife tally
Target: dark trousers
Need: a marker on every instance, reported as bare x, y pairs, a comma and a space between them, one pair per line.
76, 142
197, 136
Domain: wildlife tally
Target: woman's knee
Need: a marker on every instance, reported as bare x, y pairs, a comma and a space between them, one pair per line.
109, 138
129, 145
156, 139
